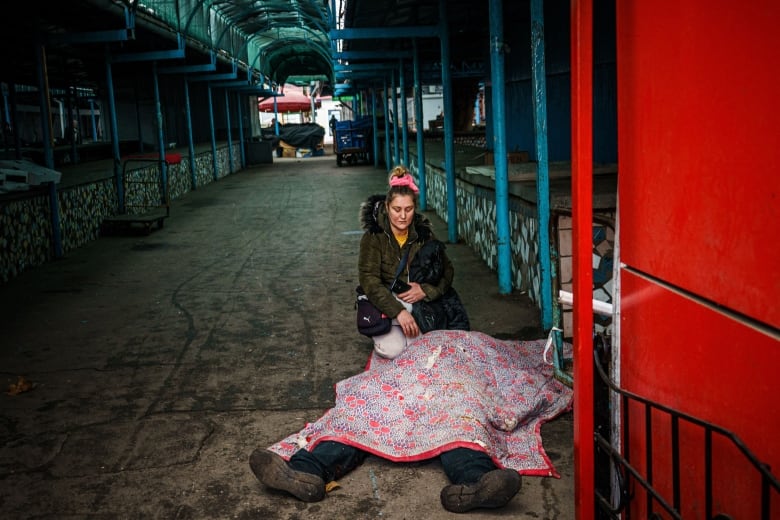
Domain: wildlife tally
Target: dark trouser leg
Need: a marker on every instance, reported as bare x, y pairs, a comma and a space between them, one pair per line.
476, 481
465, 466
330, 460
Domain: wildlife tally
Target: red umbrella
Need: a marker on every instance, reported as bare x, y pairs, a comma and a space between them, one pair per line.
289, 102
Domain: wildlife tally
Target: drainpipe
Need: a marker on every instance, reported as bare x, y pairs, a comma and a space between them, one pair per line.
582, 247
449, 134
418, 116
503, 253
538, 79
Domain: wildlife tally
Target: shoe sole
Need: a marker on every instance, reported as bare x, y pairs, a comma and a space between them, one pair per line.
273, 471
495, 489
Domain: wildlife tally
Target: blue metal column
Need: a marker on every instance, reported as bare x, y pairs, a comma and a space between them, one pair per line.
120, 184
396, 147
229, 134
6, 109
213, 133
190, 141
43, 98
160, 135
14, 120
449, 133
374, 128
94, 122
503, 253
276, 117
139, 127
539, 85
420, 128
404, 113
241, 145
388, 161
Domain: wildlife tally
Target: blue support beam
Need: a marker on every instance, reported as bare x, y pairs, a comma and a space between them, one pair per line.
229, 136
190, 141
120, 186
386, 101
168, 54
418, 118
192, 69
404, 113
539, 86
503, 251
372, 33
43, 99
449, 132
370, 55
160, 135
363, 66
374, 127
213, 134
396, 148
109, 35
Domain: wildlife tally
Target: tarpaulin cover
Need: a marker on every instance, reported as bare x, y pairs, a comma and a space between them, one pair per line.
306, 135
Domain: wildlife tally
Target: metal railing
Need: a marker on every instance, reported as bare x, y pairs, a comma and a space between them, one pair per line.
626, 471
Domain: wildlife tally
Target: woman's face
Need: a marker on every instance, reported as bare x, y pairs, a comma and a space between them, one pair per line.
401, 212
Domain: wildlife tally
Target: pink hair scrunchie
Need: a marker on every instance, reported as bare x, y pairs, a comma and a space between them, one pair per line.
406, 180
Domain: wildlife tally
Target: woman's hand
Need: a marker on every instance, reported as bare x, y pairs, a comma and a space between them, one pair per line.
407, 323
413, 295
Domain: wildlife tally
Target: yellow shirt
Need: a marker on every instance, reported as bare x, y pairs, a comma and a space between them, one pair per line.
401, 239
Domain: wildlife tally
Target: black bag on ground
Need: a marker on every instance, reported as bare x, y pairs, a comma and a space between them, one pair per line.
447, 312
370, 320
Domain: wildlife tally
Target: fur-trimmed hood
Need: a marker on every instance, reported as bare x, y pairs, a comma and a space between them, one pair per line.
373, 218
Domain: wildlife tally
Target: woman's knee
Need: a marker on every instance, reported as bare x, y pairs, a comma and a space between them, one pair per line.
390, 345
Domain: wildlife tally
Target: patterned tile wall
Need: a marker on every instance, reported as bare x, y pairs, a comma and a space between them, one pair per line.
25, 219
477, 228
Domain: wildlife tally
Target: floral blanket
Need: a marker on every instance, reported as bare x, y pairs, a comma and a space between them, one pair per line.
448, 389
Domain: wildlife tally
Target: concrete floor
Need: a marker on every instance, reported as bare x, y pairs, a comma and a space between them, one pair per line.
160, 362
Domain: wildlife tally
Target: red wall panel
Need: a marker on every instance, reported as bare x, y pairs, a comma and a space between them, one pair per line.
691, 357
698, 147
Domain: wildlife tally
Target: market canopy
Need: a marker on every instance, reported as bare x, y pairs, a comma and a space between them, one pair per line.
289, 102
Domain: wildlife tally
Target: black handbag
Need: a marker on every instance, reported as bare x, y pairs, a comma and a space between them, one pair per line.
370, 320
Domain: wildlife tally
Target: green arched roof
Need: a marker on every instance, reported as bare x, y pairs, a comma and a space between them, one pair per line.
287, 41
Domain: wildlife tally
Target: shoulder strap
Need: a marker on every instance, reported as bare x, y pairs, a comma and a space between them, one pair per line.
401, 265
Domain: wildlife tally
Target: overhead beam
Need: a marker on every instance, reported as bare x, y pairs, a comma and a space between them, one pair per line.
169, 54
371, 55
190, 69
373, 33
110, 35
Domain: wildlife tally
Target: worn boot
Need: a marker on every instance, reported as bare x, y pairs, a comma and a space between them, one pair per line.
495, 489
273, 471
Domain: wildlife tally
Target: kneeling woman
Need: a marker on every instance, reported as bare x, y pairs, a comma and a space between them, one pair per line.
394, 234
